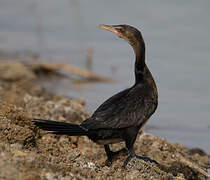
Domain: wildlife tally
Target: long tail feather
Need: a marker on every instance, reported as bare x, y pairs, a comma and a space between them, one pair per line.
61, 128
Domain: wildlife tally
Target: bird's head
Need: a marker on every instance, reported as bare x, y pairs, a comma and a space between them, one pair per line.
126, 32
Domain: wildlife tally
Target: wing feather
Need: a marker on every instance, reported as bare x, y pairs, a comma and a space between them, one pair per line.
130, 107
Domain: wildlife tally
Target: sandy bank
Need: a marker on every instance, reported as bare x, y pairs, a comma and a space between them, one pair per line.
27, 153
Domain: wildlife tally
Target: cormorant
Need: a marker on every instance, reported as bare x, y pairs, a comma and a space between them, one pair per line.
122, 116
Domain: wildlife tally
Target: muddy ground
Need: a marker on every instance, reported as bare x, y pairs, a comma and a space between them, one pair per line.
28, 153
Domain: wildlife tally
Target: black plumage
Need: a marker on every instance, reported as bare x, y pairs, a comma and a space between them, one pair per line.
122, 116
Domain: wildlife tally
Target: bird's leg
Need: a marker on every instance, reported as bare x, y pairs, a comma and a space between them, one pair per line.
132, 154
130, 137
109, 154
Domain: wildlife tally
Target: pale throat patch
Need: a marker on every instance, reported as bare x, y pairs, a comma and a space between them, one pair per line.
109, 141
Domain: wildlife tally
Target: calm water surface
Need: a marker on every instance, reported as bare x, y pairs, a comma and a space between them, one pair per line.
177, 36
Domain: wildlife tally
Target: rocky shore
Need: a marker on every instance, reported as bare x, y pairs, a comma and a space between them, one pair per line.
28, 153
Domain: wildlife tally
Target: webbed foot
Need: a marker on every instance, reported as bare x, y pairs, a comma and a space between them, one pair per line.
108, 162
146, 159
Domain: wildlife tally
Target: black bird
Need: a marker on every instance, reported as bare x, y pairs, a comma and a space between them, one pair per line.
122, 116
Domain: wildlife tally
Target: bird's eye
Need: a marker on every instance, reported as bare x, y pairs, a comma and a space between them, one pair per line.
119, 29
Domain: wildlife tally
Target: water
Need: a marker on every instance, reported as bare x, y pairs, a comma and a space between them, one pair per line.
177, 36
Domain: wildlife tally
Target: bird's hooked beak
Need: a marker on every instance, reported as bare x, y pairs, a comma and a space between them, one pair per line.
114, 29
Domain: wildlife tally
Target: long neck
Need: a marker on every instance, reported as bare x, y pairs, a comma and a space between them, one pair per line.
139, 50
